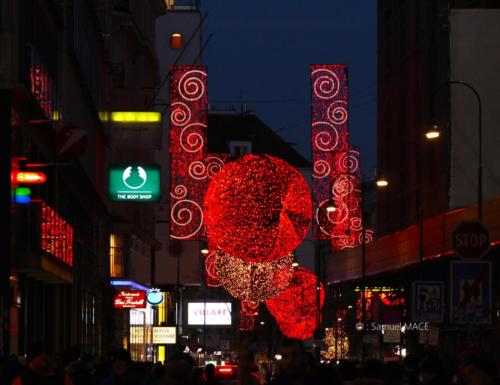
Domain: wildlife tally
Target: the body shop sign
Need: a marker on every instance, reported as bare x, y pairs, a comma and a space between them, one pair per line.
210, 313
134, 183
130, 299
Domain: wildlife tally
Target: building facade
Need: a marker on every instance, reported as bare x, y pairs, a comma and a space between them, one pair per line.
64, 66
421, 46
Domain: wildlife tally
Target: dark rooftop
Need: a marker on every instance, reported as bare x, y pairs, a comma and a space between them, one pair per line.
227, 126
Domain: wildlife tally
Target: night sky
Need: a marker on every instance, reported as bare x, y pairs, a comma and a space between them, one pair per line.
261, 51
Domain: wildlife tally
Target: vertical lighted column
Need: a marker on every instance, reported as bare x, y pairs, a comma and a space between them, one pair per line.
188, 139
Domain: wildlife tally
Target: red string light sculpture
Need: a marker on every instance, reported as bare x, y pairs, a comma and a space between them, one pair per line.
257, 208
253, 281
249, 310
295, 308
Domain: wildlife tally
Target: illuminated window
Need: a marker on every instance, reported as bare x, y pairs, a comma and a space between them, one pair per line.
170, 4
176, 40
238, 149
115, 256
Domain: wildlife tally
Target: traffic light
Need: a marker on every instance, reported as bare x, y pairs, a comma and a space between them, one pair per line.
21, 195
18, 178
29, 177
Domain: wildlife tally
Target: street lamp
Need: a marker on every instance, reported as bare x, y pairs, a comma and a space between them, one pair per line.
480, 137
433, 133
382, 182
330, 206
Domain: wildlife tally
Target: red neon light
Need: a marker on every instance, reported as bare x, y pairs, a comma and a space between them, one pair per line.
130, 299
56, 235
30, 177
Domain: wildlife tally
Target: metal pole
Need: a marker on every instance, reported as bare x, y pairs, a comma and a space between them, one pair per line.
178, 291
480, 139
318, 295
363, 265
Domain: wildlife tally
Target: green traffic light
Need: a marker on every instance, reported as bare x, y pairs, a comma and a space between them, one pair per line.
23, 191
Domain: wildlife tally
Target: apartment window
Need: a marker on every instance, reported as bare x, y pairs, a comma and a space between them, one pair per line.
115, 255
176, 40
238, 149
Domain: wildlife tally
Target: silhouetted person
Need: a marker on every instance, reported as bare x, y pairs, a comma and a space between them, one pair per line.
393, 373
348, 371
210, 378
411, 369
180, 370
325, 375
158, 373
41, 370
431, 371
480, 371
123, 372
293, 366
78, 373
9, 369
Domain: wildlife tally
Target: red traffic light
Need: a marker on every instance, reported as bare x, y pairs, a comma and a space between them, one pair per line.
29, 177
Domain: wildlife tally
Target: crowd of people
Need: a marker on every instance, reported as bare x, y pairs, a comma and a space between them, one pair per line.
295, 367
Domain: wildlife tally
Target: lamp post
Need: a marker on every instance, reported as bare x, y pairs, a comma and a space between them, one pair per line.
434, 133
318, 332
381, 183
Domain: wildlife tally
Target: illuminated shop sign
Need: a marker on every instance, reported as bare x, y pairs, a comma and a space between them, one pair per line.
210, 313
164, 335
382, 304
154, 297
56, 235
134, 183
130, 299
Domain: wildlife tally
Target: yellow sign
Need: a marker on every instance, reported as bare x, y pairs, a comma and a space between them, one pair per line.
164, 335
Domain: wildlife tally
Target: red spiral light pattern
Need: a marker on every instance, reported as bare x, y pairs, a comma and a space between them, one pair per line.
295, 308
190, 166
188, 105
336, 166
329, 137
257, 208
211, 278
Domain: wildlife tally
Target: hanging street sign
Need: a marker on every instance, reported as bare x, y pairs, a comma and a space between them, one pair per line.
134, 183
164, 335
130, 299
154, 297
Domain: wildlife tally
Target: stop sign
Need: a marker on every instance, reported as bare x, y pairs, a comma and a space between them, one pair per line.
470, 240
